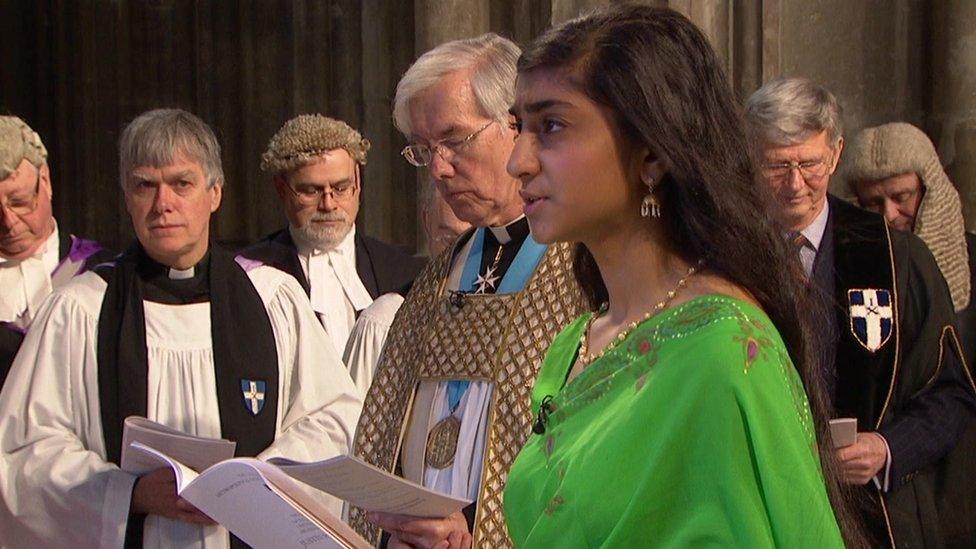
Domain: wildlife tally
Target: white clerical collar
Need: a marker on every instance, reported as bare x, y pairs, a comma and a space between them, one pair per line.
178, 274
501, 233
815, 230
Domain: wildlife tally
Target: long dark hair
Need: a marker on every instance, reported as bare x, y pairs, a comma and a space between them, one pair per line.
656, 72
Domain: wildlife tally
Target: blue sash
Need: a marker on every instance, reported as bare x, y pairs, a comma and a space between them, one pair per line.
518, 274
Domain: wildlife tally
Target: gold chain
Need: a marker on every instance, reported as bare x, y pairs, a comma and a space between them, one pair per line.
498, 257
585, 359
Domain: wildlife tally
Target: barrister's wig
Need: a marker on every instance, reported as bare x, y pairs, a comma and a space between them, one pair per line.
308, 136
18, 142
897, 149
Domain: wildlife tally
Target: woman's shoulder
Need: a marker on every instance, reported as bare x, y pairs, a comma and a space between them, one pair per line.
709, 314
716, 333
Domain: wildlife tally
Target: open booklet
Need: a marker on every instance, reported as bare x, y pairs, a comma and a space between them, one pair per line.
271, 503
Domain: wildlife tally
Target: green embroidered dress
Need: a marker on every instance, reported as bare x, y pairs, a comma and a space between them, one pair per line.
694, 431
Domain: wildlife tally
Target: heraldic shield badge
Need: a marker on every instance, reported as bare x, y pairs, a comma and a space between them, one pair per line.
871, 315
254, 392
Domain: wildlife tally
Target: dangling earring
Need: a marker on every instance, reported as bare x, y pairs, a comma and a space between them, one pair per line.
650, 207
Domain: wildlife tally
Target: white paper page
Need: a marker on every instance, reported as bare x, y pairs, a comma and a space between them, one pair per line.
312, 503
154, 459
236, 495
843, 431
371, 488
197, 453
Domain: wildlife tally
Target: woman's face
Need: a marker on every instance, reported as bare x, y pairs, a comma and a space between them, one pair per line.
578, 181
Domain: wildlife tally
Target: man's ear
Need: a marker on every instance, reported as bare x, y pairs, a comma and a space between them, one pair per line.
838, 149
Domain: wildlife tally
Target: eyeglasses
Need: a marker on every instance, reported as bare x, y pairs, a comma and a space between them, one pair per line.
421, 155
809, 169
309, 195
21, 206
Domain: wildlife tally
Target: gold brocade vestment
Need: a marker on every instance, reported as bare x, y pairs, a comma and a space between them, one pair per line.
500, 338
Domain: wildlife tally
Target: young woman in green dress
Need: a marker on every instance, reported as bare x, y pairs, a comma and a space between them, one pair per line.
674, 414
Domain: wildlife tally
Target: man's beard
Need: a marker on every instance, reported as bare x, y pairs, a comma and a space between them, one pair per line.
325, 237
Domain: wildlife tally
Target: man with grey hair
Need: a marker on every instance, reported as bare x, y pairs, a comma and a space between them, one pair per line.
449, 405
890, 357
36, 255
315, 163
174, 330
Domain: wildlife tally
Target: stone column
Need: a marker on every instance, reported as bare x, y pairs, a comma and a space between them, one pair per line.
389, 189
953, 89
746, 63
564, 10
436, 22
439, 21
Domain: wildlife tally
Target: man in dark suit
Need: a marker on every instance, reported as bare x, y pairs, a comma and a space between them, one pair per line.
887, 330
315, 162
36, 255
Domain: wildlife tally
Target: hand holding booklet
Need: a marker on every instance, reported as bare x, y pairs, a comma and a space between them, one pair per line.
269, 503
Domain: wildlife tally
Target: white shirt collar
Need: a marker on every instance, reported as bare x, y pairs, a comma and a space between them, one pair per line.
501, 233
815, 230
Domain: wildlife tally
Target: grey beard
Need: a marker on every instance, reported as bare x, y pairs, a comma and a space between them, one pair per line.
321, 238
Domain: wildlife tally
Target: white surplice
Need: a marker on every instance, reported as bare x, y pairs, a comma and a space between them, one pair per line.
57, 487
365, 344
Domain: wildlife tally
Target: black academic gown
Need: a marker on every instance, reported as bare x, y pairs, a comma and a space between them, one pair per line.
75, 253
914, 390
383, 268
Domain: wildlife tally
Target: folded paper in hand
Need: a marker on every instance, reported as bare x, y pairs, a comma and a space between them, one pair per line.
843, 431
273, 503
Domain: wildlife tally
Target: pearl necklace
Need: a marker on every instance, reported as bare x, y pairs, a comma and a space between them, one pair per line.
585, 359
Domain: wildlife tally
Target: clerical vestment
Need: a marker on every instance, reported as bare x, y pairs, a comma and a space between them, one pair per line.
59, 485
493, 341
